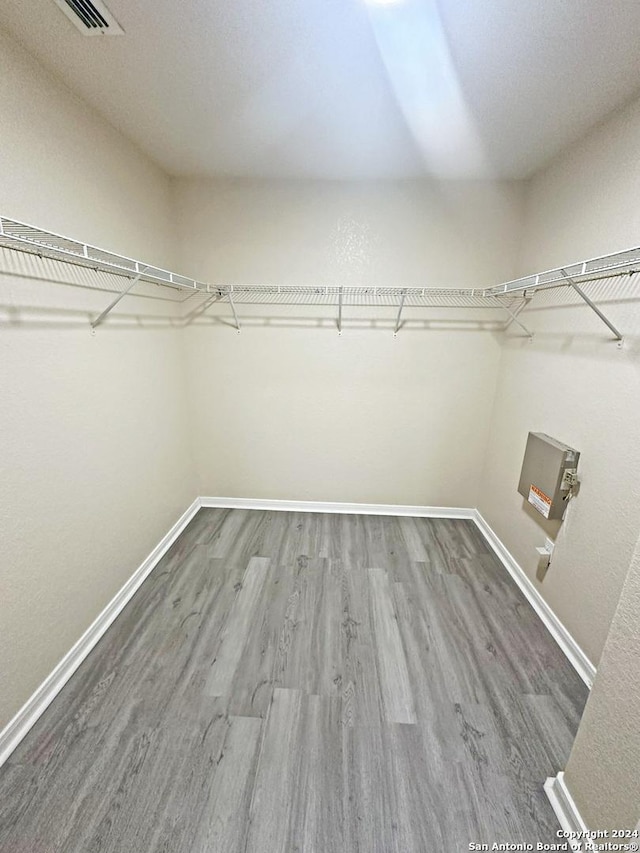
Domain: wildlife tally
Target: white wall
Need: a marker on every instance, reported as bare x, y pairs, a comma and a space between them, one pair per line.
66, 170
94, 461
289, 409
602, 771
574, 383
582, 204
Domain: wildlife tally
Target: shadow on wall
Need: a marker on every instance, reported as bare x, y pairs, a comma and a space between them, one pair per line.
55, 318
355, 324
560, 320
30, 317
550, 527
579, 344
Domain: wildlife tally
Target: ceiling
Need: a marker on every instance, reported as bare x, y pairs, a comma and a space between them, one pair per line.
341, 89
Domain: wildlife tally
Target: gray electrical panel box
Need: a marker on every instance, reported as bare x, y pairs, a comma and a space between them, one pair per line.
549, 473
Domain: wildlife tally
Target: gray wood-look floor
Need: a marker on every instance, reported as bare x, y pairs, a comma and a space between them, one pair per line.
304, 682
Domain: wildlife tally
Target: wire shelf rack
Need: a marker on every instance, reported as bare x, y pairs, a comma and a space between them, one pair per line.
607, 266
27, 238
353, 296
510, 297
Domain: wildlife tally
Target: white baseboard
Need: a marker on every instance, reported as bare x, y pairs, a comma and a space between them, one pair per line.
581, 663
349, 508
566, 810
26, 717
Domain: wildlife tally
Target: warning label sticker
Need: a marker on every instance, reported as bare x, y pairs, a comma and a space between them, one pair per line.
540, 501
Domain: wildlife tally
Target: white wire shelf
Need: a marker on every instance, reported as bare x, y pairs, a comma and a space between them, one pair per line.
510, 297
27, 238
606, 266
354, 296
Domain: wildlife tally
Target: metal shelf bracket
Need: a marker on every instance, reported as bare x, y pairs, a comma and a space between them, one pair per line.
514, 318
235, 314
400, 307
526, 300
511, 297
616, 332
102, 317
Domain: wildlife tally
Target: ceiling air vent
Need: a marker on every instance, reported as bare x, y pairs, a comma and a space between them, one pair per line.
91, 17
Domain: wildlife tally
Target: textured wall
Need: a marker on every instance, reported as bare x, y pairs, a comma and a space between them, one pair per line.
290, 410
582, 393
95, 432
94, 465
602, 772
574, 383
65, 169
306, 415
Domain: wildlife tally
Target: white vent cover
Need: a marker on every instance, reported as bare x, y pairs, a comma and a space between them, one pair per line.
91, 17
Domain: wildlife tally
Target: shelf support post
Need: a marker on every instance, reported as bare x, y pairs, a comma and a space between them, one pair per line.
233, 308
616, 333
102, 317
400, 307
514, 318
340, 310
518, 310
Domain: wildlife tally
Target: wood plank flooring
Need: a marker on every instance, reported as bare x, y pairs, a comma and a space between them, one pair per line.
304, 682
